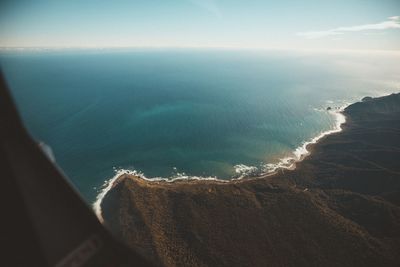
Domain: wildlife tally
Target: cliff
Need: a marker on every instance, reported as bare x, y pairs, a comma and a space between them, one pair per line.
339, 207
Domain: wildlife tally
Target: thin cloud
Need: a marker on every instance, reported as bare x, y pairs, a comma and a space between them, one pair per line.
390, 23
209, 5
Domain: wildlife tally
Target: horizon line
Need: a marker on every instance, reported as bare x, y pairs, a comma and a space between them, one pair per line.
391, 51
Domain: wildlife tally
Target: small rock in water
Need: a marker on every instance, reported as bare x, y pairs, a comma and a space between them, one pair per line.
328, 108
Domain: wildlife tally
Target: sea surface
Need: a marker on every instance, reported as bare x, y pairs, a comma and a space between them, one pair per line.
185, 112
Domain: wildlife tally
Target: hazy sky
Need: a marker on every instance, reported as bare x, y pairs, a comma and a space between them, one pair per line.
313, 24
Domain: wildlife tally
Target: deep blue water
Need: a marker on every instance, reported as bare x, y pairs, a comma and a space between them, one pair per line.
202, 112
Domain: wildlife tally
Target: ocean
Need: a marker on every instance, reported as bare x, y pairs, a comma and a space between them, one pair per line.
168, 113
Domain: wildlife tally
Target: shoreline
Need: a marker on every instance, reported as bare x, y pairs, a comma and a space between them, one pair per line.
342, 201
287, 163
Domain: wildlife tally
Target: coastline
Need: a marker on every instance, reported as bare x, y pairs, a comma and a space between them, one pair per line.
288, 163
340, 206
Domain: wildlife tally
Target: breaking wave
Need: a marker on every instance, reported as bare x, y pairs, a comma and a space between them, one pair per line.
298, 154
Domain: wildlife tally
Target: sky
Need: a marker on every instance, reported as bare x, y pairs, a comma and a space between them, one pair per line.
284, 24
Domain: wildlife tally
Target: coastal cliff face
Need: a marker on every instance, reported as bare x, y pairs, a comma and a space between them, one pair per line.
339, 207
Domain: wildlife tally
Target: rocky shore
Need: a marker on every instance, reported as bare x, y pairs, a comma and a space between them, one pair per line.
340, 206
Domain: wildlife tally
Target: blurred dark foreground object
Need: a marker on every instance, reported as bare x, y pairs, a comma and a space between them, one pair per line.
44, 221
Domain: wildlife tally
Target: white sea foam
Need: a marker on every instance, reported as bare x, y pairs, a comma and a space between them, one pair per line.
118, 172
298, 154
241, 170
319, 109
301, 151
106, 187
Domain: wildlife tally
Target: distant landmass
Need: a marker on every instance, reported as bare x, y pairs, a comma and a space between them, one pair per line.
340, 206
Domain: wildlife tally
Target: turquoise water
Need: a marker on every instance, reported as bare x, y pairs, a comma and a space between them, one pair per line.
198, 112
